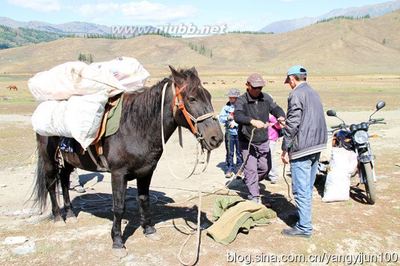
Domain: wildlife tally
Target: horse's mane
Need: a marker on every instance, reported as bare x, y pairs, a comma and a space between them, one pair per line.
141, 107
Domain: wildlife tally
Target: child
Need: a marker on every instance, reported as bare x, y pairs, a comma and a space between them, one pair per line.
231, 133
274, 132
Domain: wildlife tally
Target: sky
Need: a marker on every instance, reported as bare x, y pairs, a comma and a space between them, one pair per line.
238, 15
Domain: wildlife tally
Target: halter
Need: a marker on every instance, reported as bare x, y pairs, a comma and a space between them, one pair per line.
190, 119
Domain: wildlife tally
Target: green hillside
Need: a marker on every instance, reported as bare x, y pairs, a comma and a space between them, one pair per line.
10, 37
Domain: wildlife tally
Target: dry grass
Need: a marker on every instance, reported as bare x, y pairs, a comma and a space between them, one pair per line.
340, 228
336, 47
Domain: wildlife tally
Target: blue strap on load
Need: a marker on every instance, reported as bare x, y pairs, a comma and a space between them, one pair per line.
67, 144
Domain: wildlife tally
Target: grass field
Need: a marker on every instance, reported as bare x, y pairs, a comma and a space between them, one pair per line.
338, 92
347, 227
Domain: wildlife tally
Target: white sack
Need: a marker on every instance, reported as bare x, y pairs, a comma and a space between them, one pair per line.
78, 118
127, 70
72, 78
342, 165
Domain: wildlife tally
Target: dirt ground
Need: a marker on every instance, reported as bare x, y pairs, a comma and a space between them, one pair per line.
349, 230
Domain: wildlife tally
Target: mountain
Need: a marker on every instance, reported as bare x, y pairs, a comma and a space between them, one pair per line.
371, 10
336, 47
65, 28
288, 25
10, 37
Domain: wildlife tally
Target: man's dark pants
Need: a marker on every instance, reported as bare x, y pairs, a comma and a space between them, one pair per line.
257, 166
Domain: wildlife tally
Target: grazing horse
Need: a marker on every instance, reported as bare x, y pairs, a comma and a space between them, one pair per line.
135, 149
12, 87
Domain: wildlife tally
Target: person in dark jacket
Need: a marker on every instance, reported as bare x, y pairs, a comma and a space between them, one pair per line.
304, 138
252, 111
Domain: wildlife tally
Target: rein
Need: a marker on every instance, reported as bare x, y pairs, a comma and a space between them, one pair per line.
178, 103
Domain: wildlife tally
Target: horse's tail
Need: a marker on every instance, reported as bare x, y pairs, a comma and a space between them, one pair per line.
45, 171
40, 189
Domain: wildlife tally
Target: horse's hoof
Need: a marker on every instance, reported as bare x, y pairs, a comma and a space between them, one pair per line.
149, 229
154, 236
119, 252
151, 233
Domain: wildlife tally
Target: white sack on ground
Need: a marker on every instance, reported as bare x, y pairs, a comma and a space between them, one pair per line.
77, 118
342, 165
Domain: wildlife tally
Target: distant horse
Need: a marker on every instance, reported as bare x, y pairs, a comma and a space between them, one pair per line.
135, 149
12, 88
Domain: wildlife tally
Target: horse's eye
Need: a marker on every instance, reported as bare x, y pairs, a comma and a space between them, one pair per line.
192, 99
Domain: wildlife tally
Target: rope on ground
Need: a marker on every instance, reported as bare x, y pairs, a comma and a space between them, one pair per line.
198, 240
179, 256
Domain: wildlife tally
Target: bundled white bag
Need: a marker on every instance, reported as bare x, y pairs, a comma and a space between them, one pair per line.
127, 70
342, 165
86, 89
79, 117
72, 78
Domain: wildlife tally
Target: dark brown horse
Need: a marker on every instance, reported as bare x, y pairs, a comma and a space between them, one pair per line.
134, 151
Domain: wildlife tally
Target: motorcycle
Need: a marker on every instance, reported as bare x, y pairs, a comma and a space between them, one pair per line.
355, 138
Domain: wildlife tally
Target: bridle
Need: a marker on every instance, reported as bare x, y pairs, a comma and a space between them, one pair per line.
178, 103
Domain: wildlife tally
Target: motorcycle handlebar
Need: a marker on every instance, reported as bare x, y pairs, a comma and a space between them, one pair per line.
337, 126
377, 121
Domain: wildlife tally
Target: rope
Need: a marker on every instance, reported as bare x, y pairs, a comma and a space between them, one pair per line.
198, 148
287, 183
241, 168
198, 239
79, 74
164, 142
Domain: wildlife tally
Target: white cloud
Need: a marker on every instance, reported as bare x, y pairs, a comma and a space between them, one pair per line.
143, 10
38, 5
90, 10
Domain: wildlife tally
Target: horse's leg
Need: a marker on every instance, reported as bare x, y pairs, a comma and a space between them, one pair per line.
118, 183
64, 177
143, 185
51, 187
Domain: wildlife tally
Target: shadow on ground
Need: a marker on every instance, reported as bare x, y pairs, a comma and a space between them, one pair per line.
100, 205
358, 195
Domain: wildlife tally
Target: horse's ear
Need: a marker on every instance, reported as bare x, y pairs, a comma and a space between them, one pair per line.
194, 71
178, 77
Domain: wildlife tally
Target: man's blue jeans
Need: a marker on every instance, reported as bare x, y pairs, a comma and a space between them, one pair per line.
303, 172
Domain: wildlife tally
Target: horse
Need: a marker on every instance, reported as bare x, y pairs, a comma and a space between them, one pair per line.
12, 87
135, 149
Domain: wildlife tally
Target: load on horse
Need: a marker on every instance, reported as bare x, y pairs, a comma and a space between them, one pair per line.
131, 152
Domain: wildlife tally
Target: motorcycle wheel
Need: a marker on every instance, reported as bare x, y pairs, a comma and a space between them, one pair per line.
369, 183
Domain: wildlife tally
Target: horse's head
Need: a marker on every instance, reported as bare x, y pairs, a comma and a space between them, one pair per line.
194, 109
